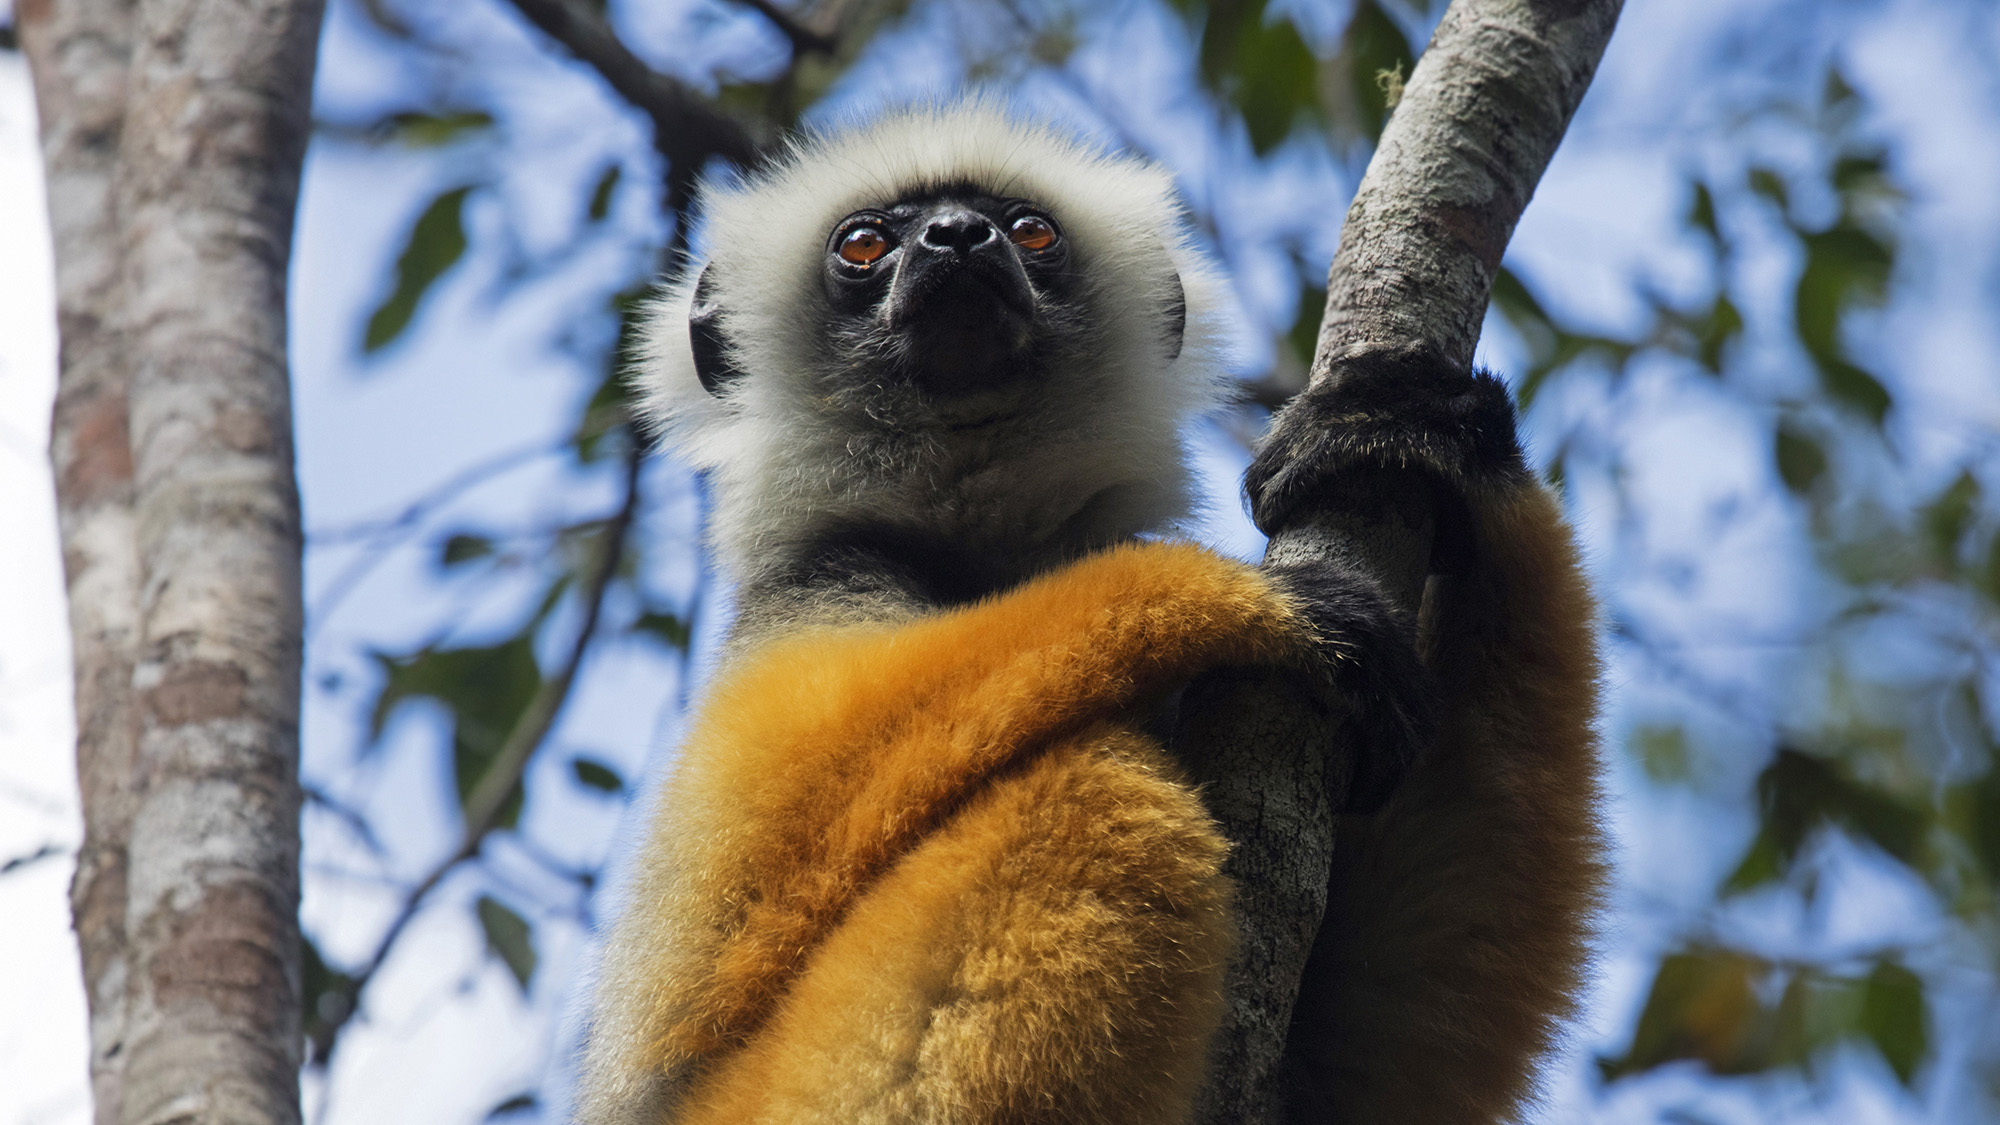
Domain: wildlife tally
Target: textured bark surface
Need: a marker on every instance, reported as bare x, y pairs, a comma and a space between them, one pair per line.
174, 132
1479, 119
1241, 737
79, 51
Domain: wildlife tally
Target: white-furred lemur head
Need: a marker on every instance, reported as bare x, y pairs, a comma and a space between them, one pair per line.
947, 330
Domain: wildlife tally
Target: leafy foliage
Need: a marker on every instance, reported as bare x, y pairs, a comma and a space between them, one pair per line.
326, 996
1853, 763
484, 689
597, 775
508, 938
435, 244
1737, 1014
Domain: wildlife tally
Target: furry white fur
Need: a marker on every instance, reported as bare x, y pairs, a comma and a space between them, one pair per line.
790, 449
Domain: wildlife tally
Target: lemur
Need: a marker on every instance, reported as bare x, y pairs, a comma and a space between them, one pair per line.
920, 858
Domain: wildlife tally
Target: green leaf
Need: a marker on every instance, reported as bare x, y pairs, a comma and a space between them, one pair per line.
1892, 1015
431, 130
1856, 388
1703, 1005
435, 244
1985, 827
463, 547
327, 996
600, 196
1846, 267
1701, 214
1856, 172
519, 1103
1713, 332
1514, 297
1549, 347
484, 688
597, 775
1764, 861
1801, 461
1663, 751
1303, 338
1771, 186
1815, 1011
1947, 518
1261, 67
1276, 81
509, 938
1989, 578
1799, 792
610, 406
1373, 46
673, 631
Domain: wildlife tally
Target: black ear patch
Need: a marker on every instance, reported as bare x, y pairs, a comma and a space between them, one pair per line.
1176, 311
712, 364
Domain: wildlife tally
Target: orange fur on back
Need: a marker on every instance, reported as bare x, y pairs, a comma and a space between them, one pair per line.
933, 870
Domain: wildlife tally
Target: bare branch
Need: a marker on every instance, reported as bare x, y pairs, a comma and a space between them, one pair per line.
805, 40
688, 130
380, 534
1458, 161
1477, 123
510, 762
46, 851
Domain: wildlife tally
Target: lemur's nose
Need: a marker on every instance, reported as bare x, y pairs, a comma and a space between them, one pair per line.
962, 231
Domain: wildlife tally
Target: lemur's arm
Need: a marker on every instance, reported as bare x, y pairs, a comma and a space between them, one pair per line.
1456, 927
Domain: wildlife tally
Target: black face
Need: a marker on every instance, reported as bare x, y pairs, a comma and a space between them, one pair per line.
953, 291
958, 284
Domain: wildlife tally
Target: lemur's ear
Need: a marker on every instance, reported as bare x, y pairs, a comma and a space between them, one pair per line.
1176, 310
712, 362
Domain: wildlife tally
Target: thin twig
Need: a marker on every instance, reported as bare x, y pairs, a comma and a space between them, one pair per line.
483, 805
346, 814
378, 533
688, 130
46, 851
435, 497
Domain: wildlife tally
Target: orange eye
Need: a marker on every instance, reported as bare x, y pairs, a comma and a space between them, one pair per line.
863, 246
1032, 232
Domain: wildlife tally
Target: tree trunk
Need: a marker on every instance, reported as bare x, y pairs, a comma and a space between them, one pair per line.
79, 52
174, 132
1478, 121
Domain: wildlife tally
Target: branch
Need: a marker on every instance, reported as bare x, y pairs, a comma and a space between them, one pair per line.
46, 851
686, 128
381, 533
805, 40
1479, 119
510, 763
1482, 114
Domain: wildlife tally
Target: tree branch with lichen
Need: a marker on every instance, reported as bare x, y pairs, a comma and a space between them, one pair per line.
1458, 160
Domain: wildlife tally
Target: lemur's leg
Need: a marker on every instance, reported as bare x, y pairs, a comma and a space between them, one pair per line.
1456, 928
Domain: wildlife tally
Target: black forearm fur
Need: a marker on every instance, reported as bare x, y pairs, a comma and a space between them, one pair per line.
1387, 421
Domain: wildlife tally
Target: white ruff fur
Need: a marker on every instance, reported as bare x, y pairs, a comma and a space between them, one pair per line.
795, 446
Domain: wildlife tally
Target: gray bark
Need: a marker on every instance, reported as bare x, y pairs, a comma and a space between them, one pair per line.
174, 131
79, 52
1479, 119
